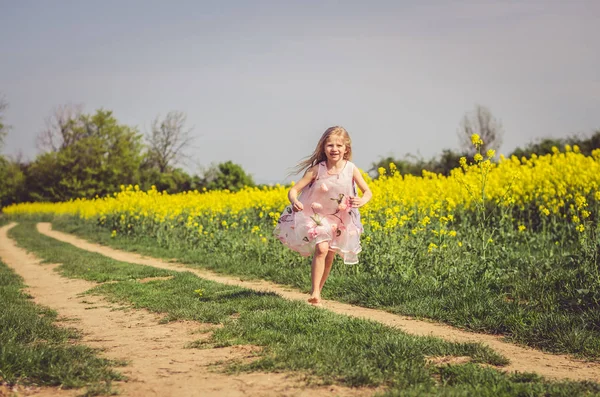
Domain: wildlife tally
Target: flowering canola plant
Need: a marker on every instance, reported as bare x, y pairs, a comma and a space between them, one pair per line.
563, 185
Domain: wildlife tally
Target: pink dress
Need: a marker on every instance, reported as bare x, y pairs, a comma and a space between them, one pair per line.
327, 216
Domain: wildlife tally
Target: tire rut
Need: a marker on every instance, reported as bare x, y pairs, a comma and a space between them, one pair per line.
158, 362
522, 358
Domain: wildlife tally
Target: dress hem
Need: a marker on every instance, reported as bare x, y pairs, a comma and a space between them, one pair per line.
336, 249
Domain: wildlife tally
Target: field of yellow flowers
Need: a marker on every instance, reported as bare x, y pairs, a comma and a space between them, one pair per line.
507, 246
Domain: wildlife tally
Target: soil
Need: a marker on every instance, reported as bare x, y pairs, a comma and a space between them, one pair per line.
522, 358
158, 363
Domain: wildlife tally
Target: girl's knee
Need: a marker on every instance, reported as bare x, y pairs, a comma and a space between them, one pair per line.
322, 249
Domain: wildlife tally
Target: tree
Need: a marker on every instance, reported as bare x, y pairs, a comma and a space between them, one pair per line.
226, 175
43, 177
413, 165
482, 123
168, 140
544, 146
61, 128
174, 181
95, 157
445, 162
12, 182
408, 165
3, 127
586, 144
539, 147
12, 178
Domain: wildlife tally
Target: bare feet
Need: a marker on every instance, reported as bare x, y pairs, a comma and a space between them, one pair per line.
315, 301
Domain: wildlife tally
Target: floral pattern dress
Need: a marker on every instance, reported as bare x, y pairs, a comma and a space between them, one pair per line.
327, 216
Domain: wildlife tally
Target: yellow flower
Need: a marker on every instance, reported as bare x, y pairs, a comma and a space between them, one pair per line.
522, 228
478, 157
491, 153
544, 210
393, 168
576, 219
580, 228
476, 140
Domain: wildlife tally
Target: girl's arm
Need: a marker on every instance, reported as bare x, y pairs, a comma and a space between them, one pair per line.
362, 185
297, 188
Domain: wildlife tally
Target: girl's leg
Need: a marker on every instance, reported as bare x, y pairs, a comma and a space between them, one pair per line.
328, 262
317, 269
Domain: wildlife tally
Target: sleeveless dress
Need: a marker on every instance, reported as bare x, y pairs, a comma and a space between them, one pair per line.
327, 216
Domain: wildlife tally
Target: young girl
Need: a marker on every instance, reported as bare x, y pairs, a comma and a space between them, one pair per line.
324, 219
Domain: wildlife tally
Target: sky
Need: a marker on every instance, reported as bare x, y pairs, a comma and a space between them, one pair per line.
260, 81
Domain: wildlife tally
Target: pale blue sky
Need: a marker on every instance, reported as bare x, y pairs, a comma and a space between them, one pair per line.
261, 80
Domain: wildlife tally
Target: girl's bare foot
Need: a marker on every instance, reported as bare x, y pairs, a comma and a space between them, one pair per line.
315, 301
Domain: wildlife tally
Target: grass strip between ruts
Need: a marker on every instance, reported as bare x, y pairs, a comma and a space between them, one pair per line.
35, 351
295, 336
460, 293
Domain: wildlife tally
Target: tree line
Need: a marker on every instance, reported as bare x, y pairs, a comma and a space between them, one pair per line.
93, 155
481, 121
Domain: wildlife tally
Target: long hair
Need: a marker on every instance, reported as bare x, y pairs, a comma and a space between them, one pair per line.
319, 153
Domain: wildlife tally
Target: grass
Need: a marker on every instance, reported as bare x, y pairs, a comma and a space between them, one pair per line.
297, 337
540, 302
35, 351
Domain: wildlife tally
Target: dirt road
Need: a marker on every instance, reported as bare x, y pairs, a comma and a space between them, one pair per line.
523, 359
158, 363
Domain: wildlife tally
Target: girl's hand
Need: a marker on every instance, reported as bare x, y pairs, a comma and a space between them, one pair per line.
297, 206
356, 202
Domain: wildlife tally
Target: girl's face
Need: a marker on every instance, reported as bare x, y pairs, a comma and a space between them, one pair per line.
335, 148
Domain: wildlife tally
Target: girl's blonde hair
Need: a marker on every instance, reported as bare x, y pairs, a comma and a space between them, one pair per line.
319, 154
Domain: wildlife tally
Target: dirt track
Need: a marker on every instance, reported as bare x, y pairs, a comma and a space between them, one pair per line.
523, 359
158, 363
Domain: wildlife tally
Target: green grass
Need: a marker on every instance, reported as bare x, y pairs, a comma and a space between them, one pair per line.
297, 337
82, 264
33, 350
537, 301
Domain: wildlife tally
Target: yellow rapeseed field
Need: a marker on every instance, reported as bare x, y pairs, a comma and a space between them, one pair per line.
561, 184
